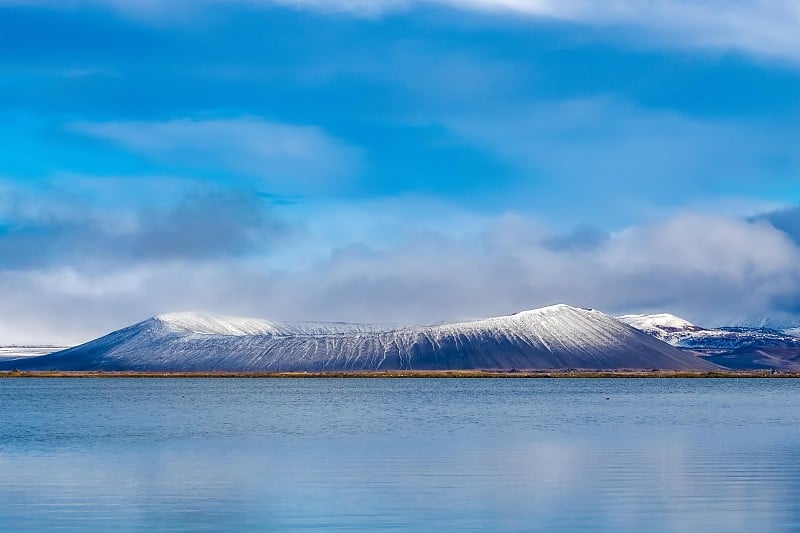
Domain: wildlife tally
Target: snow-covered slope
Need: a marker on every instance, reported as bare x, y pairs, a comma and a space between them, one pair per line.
559, 336
208, 324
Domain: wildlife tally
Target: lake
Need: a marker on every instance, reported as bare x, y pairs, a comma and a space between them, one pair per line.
404, 454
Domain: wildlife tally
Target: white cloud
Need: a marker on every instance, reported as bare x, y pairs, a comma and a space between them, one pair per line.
289, 157
706, 267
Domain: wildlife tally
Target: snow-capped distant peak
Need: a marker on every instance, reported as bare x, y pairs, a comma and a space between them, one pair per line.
664, 326
664, 321
555, 308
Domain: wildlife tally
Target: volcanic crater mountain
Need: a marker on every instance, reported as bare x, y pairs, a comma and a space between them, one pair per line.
555, 337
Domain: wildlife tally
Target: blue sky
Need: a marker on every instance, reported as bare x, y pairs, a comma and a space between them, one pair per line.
395, 160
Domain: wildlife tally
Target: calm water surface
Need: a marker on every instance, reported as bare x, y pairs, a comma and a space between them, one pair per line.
406, 454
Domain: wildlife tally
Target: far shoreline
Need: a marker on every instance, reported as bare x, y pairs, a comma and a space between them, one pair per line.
495, 374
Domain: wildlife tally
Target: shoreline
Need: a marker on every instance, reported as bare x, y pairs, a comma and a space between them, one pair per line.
496, 374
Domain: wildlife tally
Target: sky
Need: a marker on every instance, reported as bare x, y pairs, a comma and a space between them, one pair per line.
409, 161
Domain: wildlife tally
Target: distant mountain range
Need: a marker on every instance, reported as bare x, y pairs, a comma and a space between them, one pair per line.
16, 351
732, 347
555, 337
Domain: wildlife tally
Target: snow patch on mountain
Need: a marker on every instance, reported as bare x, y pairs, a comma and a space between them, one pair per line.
206, 324
209, 324
664, 326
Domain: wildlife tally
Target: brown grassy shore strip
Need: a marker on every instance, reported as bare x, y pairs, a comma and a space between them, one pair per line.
411, 374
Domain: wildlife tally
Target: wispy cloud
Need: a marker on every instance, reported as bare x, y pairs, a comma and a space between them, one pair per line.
287, 157
576, 152
761, 27
755, 26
